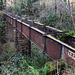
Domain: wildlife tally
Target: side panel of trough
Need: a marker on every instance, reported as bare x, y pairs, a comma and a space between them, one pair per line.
38, 39
68, 55
25, 30
14, 22
53, 49
19, 26
7, 18
11, 21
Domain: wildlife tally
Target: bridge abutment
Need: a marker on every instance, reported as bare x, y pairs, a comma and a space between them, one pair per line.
21, 43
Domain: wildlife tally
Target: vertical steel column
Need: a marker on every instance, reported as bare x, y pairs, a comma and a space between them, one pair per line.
30, 23
60, 52
15, 37
45, 45
12, 21
21, 28
30, 40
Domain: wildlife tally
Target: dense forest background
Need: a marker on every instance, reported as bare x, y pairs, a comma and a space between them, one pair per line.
55, 13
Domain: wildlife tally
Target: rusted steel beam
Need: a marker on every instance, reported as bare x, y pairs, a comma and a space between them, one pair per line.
54, 48
38, 38
25, 30
19, 25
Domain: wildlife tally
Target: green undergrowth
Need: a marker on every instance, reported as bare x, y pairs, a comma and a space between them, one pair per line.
12, 63
6, 51
71, 33
15, 64
36, 64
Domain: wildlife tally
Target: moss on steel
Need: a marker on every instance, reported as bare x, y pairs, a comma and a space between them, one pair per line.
38, 30
48, 26
38, 23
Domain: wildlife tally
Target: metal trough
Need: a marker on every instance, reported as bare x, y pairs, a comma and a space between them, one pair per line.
53, 47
